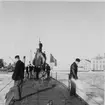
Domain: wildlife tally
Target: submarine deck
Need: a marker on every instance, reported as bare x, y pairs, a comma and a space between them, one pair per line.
35, 92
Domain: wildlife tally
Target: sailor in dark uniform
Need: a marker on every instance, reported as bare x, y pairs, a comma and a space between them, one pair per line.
73, 74
30, 70
48, 70
27, 71
18, 74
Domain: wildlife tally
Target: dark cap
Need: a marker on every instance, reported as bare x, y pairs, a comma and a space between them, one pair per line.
78, 60
17, 56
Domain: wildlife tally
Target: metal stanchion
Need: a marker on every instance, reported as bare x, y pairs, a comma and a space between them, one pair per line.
56, 75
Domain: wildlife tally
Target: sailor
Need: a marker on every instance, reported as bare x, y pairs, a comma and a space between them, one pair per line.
18, 74
48, 70
73, 76
27, 71
30, 69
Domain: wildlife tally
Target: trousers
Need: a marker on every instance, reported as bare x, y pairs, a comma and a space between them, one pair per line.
18, 84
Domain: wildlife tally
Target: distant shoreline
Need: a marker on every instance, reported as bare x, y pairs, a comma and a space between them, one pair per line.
67, 71
80, 70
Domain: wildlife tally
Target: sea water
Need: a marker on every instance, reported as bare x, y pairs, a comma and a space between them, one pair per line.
4, 88
90, 85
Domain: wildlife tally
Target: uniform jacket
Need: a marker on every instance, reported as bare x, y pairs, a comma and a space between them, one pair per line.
73, 71
19, 71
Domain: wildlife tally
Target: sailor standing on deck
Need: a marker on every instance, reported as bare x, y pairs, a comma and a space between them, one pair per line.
73, 76
27, 71
47, 66
18, 74
30, 69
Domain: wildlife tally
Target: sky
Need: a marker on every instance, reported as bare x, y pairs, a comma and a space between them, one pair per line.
67, 29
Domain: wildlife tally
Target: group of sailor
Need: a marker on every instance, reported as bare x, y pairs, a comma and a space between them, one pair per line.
33, 71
